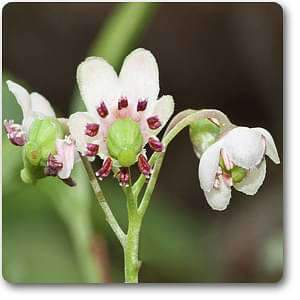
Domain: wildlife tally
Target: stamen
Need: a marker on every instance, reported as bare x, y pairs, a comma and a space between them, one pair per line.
227, 162
142, 105
53, 166
219, 171
105, 169
155, 144
15, 133
91, 129
227, 179
124, 176
153, 122
92, 149
102, 110
123, 103
144, 166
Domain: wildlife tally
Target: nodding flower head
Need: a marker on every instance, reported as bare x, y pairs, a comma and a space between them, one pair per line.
41, 136
235, 160
124, 111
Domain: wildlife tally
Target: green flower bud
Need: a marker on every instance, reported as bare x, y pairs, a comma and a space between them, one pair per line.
238, 174
125, 141
41, 142
203, 133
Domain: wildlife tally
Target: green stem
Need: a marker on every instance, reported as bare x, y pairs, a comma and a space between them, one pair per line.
130, 242
150, 187
131, 262
111, 220
179, 122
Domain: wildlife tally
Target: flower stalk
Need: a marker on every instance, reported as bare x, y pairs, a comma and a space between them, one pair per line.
131, 261
111, 220
136, 212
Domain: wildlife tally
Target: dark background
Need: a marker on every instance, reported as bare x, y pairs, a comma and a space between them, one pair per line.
223, 56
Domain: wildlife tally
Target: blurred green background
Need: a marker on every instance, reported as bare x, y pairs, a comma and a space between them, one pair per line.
224, 56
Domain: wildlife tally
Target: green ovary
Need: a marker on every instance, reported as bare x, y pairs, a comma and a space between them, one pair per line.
237, 173
125, 141
41, 142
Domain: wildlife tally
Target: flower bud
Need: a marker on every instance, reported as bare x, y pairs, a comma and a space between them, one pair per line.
124, 141
203, 133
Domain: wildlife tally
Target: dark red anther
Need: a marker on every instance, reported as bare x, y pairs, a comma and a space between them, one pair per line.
91, 149
91, 129
15, 133
105, 169
53, 166
124, 176
144, 166
155, 144
102, 110
123, 103
153, 122
142, 105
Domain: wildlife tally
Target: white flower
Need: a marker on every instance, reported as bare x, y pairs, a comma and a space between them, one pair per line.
109, 97
61, 164
35, 106
241, 151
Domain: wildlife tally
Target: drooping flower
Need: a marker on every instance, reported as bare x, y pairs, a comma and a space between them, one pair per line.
123, 113
235, 160
46, 151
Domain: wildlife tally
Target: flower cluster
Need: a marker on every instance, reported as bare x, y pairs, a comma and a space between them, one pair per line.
124, 115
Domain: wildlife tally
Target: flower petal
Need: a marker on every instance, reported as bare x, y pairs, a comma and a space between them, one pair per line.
139, 76
254, 179
97, 81
208, 166
245, 147
77, 125
271, 150
41, 106
219, 198
22, 96
163, 108
66, 154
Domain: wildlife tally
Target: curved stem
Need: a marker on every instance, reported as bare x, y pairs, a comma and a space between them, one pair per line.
179, 122
150, 187
111, 220
173, 129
